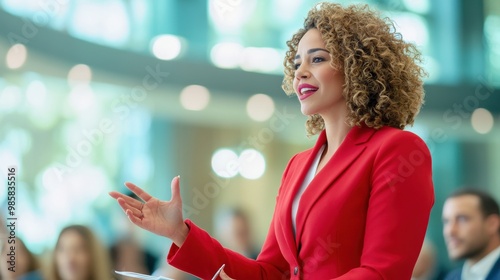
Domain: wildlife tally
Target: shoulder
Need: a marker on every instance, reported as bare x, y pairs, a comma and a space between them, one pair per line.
390, 138
495, 271
391, 134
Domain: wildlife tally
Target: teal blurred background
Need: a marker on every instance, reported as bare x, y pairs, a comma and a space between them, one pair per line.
96, 93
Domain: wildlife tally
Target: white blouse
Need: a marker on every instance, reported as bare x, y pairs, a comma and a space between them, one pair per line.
309, 177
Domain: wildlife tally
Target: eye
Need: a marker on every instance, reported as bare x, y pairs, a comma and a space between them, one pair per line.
318, 59
296, 66
462, 219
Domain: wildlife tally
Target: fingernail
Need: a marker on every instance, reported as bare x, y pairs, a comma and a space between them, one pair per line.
179, 176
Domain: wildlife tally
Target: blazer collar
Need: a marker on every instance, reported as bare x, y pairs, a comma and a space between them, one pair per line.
345, 155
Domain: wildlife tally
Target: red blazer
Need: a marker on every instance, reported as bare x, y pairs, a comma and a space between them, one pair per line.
363, 216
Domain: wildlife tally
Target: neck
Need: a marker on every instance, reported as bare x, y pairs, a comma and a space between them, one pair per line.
336, 130
495, 243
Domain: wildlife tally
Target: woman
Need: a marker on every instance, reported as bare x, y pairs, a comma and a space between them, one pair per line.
356, 205
79, 256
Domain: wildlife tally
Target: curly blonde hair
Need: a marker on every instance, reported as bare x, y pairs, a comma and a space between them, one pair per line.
383, 82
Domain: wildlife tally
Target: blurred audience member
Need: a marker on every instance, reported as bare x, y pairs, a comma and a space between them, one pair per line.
129, 237
472, 233
127, 254
79, 256
25, 267
425, 267
235, 233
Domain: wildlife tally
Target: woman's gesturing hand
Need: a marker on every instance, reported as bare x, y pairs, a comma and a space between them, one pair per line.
160, 217
224, 276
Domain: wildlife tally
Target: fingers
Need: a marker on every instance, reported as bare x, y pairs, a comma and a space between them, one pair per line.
137, 220
134, 214
132, 202
138, 191
127, 207
224, 276
176, 188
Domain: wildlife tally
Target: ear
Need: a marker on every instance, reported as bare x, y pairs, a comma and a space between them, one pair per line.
493, 224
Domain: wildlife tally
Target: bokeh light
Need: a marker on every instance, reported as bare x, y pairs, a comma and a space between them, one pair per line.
16, 56
36, 94
195, 97
79, 74
418, 6
226, 55
81, 98
166, 47
261, 60
11, 97
251, 164
225, 163
260, 107
482, 120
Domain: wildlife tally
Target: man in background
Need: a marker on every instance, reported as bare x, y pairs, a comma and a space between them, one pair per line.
472, 233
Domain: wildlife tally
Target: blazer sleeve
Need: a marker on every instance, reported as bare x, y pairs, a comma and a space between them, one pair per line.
202, 255
400, 202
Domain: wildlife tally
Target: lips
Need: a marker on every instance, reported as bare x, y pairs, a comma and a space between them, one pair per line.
306, 90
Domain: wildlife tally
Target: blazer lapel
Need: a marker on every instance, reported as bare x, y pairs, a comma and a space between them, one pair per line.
345, 155
289, 196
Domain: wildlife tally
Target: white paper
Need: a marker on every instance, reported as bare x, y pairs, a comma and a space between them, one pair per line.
218, 271
150, 277
142, 276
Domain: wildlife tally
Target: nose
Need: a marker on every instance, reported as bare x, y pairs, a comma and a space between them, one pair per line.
302, 72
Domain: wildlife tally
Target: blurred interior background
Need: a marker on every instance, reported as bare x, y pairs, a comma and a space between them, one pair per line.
96, 93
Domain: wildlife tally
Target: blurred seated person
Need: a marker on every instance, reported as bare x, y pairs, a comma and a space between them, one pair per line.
472, 233
79, 255
425, 267
234, 231
128, 255
26, 265
128, 241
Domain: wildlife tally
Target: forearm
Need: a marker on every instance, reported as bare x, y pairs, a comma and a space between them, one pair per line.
202, 255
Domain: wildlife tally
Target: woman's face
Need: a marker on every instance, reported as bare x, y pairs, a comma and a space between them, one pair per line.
72, 257
317, 84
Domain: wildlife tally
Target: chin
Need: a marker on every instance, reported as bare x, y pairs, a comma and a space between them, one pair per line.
307, 110
456, 255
